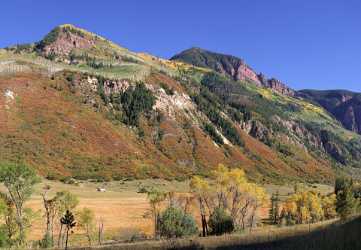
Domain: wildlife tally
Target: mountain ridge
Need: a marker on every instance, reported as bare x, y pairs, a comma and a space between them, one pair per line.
231, 66
98, 124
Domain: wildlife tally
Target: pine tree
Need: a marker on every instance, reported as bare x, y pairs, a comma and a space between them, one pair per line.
69, 221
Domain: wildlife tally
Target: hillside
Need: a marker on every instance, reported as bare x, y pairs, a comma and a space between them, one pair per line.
76, 104
344, 105
232, 66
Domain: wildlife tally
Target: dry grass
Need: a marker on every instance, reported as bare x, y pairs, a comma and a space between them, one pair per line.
234, 241
122, 208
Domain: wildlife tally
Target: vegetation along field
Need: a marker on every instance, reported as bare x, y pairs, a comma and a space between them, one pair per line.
102, 147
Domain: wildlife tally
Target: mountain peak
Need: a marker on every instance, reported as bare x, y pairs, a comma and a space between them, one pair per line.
67, 39
231, 66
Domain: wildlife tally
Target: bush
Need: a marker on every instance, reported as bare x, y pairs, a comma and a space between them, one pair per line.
47, 241
3, 237
220, 222
173, 222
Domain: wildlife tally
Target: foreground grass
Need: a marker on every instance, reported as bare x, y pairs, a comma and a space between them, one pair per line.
330, 235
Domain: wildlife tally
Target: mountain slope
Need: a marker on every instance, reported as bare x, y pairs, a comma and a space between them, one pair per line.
232, 66
344, 105
79, 105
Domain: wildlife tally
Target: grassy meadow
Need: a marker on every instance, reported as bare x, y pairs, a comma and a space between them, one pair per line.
123, 208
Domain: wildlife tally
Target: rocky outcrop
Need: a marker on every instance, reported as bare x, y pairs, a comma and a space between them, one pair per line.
260, 132
62, 40
229, 65
232, 66
276, 85
66, 42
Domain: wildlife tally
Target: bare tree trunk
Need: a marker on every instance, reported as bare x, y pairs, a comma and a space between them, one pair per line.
66, 241
88, 235
100, 231
60, 232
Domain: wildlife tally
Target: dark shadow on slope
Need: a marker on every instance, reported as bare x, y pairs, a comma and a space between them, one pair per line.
335, 237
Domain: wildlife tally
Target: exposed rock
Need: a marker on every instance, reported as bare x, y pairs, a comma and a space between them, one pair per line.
232, 66
259, 131
64, 39
276, 85
225, 64
170, 105
115, 86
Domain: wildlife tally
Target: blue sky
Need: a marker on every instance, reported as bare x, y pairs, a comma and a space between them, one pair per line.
305, 43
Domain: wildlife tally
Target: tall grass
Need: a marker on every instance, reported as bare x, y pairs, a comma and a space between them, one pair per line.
329, 235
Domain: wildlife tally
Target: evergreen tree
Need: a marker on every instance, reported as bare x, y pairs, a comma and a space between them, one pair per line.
69, 221
345, 201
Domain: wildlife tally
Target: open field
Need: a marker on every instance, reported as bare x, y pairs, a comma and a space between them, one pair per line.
123, 210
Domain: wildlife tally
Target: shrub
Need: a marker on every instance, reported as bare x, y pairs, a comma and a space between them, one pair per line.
3, 237
220, 222
173, 222
46, 242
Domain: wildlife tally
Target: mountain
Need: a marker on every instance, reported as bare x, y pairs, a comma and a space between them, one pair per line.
344, 105
76, 104
232, 66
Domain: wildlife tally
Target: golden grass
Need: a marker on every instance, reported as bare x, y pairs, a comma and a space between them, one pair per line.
122, 208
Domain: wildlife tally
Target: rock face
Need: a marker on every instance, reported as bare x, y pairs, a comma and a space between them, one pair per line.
276, 85
344, 105
63, 39
232, 66
235, 67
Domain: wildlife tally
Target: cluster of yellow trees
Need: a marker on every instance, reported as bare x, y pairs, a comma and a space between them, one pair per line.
308, 207
229, 190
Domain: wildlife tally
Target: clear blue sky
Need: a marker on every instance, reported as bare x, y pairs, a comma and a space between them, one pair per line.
305, 43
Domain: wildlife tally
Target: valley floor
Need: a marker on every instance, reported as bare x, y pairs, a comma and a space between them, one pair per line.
122, 208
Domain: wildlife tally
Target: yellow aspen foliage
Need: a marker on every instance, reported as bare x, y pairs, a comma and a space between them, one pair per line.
308, 206
230, 190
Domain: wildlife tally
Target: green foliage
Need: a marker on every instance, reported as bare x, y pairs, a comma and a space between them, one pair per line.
66, 201
47, 241
48, 39
173, 222
207, 105
210, 130
3, 237
346, 202
220, 222
50, 56
135, 101
87, 223
274, 212
19, 181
